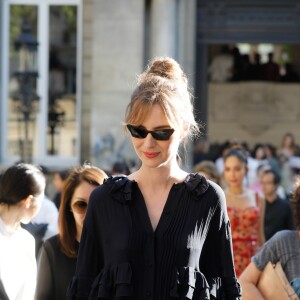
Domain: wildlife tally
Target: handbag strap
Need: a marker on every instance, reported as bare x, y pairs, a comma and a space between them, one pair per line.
287, 286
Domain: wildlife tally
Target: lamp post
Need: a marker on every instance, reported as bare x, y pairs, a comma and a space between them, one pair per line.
26, 46
55, 118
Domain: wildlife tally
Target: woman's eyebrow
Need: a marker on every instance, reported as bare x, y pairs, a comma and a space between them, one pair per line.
80, 199
158, 127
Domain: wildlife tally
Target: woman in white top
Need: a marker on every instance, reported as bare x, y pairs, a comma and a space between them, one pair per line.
21, 192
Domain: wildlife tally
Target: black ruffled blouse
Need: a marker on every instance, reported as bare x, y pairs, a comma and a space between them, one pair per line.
188, 256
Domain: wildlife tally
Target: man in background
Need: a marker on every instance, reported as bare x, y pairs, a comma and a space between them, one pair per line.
278, 213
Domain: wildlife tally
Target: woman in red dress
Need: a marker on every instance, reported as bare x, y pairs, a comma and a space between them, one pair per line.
245, 210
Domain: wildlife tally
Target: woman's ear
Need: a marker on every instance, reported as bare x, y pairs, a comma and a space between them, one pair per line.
28, 201
185, 131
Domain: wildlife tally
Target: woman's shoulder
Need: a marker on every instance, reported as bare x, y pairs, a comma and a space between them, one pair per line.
196, 184
212, 196
284, 239
200, 186
220, 198
52, 241
51, 246
285, 235
117, 188
26, 235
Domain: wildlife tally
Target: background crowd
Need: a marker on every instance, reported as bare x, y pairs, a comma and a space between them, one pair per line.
231, 66
258, 183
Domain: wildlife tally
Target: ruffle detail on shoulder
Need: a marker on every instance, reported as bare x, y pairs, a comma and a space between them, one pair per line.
196, 184
120, 188
192, 284
113, 282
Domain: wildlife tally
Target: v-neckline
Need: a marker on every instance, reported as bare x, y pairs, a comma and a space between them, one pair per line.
164, 211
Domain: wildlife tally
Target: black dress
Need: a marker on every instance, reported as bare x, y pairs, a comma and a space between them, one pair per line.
188, 256
55, 271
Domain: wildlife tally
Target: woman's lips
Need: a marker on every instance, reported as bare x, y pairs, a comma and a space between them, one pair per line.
233, 181
151, 154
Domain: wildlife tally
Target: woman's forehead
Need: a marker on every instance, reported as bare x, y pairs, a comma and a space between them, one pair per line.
145, 111
233, 159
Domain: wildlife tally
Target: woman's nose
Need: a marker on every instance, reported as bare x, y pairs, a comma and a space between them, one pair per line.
149, 140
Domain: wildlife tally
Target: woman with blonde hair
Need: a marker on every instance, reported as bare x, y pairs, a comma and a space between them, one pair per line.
159, 233
57, 258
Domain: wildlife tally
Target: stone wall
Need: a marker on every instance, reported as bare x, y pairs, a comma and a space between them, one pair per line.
116, 58
253, 112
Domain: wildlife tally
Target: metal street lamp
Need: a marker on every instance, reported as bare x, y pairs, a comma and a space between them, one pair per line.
56, 118
26, 46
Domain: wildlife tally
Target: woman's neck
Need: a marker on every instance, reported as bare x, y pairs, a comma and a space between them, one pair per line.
78, 235
10, 216
238, 190
163, 176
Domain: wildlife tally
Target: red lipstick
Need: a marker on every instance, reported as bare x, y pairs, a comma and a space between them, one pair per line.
151, 154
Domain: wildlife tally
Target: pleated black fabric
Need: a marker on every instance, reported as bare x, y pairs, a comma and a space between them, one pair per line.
188, 256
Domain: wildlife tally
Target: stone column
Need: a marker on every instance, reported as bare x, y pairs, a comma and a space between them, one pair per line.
85, 142
117, 57
163, 28
186, 42
2, 116
186, 46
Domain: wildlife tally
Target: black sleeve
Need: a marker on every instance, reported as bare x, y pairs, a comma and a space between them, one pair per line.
45, 286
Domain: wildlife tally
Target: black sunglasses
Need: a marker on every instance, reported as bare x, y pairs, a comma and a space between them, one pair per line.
141, 133
79, 207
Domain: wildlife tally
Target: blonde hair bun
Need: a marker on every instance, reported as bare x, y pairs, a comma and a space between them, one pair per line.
165, 67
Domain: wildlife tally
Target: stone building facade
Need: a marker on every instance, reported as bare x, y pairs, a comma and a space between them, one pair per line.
117, 38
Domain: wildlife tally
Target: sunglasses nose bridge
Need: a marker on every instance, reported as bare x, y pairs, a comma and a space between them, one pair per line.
149, 138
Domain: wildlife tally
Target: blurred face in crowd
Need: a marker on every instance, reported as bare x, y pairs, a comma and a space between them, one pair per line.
260, 153
288, 141
268, 151
260, 173
269, 188
234, 171
58, 182
79, 203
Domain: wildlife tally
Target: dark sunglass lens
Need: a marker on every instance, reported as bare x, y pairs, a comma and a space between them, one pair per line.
162, 135
137, 132
141, 133
79, 207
